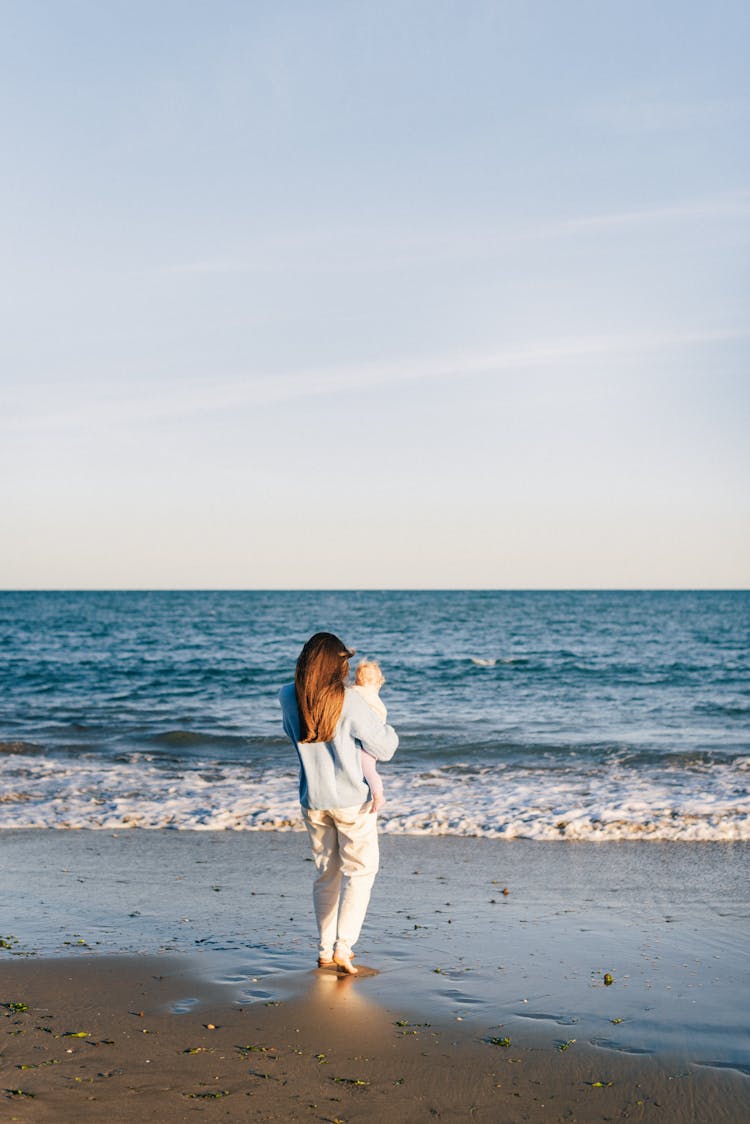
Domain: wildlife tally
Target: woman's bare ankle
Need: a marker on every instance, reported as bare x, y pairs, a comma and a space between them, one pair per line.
342, 958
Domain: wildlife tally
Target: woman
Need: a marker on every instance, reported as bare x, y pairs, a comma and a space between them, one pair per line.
327, 724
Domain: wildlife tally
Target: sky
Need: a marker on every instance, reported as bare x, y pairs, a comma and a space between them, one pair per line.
414, 294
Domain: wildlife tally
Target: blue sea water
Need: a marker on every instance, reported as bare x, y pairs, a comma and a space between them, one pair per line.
549, 715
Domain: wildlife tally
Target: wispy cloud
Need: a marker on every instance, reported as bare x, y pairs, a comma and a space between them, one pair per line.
174, 399
371, 248
734, 206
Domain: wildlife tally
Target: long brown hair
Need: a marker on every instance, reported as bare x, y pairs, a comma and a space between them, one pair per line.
321, 673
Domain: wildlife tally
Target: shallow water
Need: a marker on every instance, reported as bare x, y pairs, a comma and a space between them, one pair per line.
669, 923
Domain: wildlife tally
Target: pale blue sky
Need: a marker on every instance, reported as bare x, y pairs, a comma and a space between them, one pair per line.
354, 294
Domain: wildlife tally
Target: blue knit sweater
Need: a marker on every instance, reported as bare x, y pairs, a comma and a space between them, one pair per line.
330, 774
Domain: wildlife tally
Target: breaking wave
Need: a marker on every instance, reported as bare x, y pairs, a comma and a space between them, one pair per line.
616, 801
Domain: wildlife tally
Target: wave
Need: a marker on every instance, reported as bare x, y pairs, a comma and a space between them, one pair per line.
191, 739
500, 661
21, 748
423, 743
610, 802
725, 709
578, 667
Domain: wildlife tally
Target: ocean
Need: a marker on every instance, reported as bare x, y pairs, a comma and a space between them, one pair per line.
543, 715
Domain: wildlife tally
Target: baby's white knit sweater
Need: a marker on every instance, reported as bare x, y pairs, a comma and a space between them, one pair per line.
372, 698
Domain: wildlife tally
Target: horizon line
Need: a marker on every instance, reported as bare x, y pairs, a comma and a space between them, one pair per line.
381, 589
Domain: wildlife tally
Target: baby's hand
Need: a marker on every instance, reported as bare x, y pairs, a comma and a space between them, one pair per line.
377, 803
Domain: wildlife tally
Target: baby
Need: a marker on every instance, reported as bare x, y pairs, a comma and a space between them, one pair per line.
368, 679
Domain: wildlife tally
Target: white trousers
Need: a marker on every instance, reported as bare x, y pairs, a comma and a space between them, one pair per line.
345, 849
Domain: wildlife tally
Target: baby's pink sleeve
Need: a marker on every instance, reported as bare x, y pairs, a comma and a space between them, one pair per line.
370, 773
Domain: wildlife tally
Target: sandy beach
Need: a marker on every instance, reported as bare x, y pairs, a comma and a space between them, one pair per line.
474, 1003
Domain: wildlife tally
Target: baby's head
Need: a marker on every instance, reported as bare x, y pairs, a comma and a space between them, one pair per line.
368, 674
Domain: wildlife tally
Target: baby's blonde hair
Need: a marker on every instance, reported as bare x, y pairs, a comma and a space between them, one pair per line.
368, 673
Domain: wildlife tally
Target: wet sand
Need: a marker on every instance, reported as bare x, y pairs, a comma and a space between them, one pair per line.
143, 1039
217, 930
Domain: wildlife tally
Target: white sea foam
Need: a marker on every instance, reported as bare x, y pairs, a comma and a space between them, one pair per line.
609, 802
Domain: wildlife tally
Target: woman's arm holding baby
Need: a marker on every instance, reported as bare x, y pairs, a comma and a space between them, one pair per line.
377, 738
